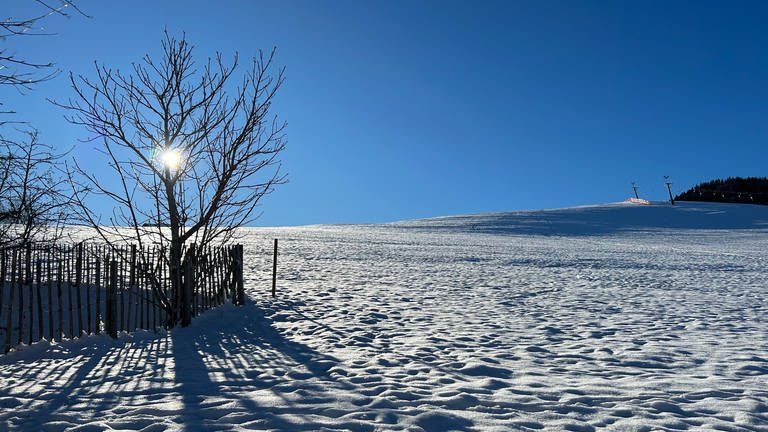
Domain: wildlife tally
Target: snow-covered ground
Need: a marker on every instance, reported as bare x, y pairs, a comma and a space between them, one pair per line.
615, 317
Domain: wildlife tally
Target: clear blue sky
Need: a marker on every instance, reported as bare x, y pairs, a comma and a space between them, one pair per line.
408, 109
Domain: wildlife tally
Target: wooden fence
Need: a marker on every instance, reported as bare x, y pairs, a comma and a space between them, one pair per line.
68, 291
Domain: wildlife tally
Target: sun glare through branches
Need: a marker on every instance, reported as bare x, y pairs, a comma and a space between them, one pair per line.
171, 158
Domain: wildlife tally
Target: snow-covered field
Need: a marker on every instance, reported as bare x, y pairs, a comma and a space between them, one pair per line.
615, 317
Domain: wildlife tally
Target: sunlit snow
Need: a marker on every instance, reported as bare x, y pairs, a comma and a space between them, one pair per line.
620, 316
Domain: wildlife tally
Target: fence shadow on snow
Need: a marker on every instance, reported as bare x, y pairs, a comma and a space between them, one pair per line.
196, 378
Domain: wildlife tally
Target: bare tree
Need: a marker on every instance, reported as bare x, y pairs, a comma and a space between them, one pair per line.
192, 150
32, 206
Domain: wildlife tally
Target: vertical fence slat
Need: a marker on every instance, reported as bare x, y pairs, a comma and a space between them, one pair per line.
223, 275
49, 282
208, 278
121, 288
87, 286
274, 271
142, 295
211, 274
111, 303
78, 283
3, 257
192, 287
217, 280
147, 287
9, 318
164, 281
38, 270
30, 290
147, 295
186, 290
158, 286
176, 313
59, 277
98, 290
21, 279
153, 285
239, 276
68, 262
131, 286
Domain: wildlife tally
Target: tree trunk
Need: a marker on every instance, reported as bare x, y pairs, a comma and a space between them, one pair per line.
174, 259
174, 267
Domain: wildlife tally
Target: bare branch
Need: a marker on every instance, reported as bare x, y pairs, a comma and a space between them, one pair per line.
20, 72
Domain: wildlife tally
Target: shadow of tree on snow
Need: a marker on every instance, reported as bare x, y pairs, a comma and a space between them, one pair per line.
233, 366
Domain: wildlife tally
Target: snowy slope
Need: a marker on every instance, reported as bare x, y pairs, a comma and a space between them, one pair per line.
612, 317
607, 219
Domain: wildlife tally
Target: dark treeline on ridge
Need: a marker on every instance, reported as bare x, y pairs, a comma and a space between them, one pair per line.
745, 190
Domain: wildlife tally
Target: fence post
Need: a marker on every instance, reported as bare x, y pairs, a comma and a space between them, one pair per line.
50, 294
39, 271
59, 277
31, 289
88, 289
21, 281
111, 302
9, 318
2, 278
78, 282
121, 271
274, 271
2, 285
187, 288
28, 284
71, 320
98, 290
131, 288
239, 286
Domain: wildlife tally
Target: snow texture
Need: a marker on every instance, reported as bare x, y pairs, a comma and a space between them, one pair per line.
615, 317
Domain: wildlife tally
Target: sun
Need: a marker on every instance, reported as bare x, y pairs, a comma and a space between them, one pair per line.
171, 158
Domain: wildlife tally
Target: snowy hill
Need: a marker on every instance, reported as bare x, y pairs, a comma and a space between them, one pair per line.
606, 219
611, 317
